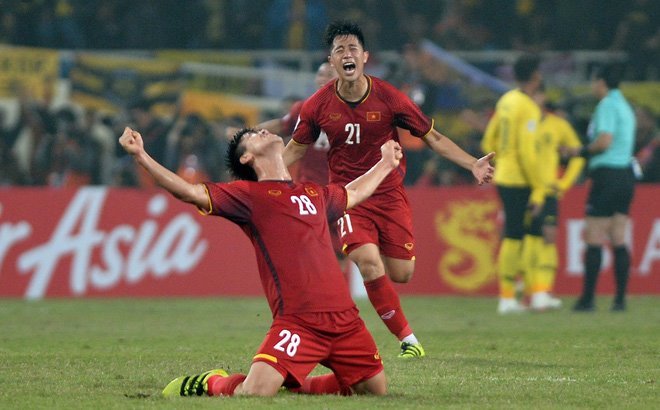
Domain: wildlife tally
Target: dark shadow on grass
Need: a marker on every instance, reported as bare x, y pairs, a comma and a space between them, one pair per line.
138, 395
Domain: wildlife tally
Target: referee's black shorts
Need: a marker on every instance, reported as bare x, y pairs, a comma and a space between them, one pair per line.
611, 191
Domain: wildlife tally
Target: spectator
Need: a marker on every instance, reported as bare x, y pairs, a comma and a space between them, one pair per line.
638, 34
647, 144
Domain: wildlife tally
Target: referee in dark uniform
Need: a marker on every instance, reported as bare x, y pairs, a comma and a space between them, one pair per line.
610, 149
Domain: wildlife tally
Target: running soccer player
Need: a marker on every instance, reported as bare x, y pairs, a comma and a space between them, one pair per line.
358, 113
314, 318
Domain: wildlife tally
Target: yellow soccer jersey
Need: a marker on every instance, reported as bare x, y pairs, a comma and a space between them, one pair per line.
554, 132
511, 133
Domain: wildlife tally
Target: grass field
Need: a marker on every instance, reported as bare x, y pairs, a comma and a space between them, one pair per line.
64, 354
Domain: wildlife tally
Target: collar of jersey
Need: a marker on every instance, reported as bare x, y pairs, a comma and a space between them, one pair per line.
358, 102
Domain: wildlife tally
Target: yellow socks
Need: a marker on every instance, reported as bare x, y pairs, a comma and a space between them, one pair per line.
508, 266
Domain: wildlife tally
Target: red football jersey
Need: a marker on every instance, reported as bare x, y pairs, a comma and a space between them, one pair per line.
356, 131
313, 166
287, 223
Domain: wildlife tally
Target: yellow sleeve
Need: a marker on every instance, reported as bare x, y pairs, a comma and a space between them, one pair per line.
528, 125
569, 138
489, 142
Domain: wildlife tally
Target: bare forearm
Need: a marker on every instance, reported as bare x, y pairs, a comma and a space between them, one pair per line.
362, 187
293, 152
274, 126
171, 182
447, 148
601, 143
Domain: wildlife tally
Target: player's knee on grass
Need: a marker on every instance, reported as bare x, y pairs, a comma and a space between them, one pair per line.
376, 385
262, 380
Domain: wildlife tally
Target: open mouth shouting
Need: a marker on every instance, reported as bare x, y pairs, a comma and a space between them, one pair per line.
349, 67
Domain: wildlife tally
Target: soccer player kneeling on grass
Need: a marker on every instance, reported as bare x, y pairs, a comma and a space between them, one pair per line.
314, 318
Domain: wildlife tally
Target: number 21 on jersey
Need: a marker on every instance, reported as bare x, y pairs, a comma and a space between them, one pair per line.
345, 225
353, 131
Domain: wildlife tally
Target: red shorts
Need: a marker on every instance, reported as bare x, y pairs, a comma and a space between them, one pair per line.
383, 219
340, 341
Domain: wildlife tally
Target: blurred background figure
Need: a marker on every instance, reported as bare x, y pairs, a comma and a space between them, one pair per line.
540, 258
610, 151
513, 133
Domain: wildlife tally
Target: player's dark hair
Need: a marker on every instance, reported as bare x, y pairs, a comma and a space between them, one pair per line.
611, 74
525, 67
235, 151
342, 28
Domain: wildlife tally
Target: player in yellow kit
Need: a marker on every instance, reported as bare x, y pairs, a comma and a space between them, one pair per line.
540, 259
511, 132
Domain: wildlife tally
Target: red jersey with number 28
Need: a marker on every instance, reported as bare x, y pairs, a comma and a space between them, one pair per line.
287, 223
357, 130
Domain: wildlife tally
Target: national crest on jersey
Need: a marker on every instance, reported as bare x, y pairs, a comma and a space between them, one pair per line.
373, 116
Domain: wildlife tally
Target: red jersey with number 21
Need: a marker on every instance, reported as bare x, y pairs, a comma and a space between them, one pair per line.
356, 131
287, 223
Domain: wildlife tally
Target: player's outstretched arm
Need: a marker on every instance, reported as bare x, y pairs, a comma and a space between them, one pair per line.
133, 144
293, 152
481, 168
361, 188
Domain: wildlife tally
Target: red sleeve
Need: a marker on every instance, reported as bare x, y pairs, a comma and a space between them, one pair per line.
407, 114
230, 200
336, 200
288, 122
307, 129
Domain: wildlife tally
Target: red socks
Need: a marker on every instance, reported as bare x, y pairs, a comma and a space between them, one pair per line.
326, 384
225, 386
385, 300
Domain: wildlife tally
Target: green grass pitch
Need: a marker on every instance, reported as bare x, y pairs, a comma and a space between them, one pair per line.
120, 353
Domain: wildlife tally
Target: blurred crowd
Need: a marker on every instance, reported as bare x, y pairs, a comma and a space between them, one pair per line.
60, 146
68, 147
530, 25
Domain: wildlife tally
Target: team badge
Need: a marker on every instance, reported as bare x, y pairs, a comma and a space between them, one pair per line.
274, 192
311, 191
373, 116
335, 116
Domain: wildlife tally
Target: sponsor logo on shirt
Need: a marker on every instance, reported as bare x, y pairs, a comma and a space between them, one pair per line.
335, 116
274, 192
373, 116
311, 191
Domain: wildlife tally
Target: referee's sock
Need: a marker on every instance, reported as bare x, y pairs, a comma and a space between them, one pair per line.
592, 261
621, 269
